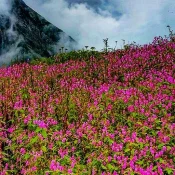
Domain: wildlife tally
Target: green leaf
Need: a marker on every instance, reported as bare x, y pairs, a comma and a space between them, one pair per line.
4, 153
103, 167
153, 132
141, 145
169, 170
107, 139
26, 156
96, 163
155, 167
22, 111
33, 140
44, 148
134, 114
38, 129
127, 150
25, 96
140, 162
129, 122
11, 171
75, 142
44, 133
5, 159
72, 106
16, 113
160, 160
160, 145
132, 152
110, 167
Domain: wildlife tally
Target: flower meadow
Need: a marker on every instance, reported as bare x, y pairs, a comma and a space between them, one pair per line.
113, 115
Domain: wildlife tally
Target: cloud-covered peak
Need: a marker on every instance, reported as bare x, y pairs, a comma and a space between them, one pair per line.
26, 34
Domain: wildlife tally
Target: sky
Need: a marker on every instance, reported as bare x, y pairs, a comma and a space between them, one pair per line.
91, 21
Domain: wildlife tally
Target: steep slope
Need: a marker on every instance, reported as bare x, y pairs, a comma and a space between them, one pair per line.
24, 33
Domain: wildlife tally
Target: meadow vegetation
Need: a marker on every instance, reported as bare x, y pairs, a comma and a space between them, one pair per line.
88, 113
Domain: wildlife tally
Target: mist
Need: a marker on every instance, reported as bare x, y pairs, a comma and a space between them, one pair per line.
7, 53
4, 7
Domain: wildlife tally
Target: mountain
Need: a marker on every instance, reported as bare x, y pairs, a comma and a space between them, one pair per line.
24, 33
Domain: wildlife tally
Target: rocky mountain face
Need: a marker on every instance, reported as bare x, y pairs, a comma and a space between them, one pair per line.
24, 33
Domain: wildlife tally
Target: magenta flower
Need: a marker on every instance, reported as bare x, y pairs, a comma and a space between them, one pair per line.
10, 130
41, 123
70, 171
22, 151
131, 108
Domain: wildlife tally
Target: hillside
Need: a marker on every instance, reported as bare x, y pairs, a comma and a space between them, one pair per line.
107, 115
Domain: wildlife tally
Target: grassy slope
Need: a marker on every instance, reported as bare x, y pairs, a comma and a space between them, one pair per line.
103, 115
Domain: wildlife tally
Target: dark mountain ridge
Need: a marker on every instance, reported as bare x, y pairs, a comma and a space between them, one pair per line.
25, 33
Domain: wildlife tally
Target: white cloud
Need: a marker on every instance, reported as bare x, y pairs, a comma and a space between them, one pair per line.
4, 7
141, 20
9, 52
